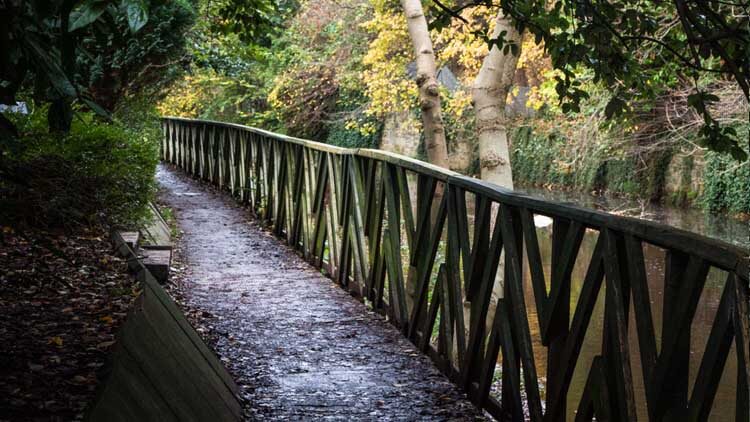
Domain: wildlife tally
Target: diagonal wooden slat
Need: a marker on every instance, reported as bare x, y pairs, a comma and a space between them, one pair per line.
642, 307
564, 256
715, 357
536, 267
425, 267
581, 317
595, 400
393, 255
669, 389
476, 264
480, 306
741, 322
616, 349
453, 289
509, 223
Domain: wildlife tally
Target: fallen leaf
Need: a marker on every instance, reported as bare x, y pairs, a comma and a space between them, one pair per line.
80, 379
105, 344
58, 341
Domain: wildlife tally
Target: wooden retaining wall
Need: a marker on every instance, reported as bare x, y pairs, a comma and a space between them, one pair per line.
161, 370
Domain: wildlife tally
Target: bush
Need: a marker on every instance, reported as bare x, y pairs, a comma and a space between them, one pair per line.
726, 184
97, 172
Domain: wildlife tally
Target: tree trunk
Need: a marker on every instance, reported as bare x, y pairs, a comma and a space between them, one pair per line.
429, 95
489, 95
429, 102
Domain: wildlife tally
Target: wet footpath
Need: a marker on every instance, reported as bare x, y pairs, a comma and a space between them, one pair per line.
300, 347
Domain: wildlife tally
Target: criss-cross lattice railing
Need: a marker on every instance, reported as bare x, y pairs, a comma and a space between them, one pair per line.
430, 265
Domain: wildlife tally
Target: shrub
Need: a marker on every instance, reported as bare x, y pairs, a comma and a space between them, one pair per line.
97, 172
726, 184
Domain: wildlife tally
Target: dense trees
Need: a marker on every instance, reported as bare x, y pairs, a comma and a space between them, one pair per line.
345, 71
639, 49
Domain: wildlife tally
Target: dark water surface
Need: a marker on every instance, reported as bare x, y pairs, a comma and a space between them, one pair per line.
718, 226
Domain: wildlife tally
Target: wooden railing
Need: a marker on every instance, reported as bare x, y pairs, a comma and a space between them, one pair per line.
420, 263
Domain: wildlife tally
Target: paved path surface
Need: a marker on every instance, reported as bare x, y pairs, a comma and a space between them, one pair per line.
299, 346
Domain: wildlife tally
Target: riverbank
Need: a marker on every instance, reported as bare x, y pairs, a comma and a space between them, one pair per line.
678, 174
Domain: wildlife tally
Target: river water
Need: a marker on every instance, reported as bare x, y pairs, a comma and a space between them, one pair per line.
716, 226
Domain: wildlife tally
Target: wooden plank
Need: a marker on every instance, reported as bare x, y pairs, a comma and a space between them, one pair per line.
425, 270
480, 305
509, 224
581, 317
536, 269
476, 264
595, 400
393, 255
429, 322
453, 295
714, 358
642, 306
566, 241
128, 395
669, 392
617, 349
741, 322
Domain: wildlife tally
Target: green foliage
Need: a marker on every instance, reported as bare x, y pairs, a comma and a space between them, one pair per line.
638, 50
119, 62
97, 172
340, 135
135, 11
547, 155
139, 116
551, 159
253, 21
305, 100
726, 184
39, 45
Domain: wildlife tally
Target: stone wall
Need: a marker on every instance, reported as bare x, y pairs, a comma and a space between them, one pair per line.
683, 179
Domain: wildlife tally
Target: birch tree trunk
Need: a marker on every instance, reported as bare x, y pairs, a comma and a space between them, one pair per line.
429, 95
429, 102
489, 94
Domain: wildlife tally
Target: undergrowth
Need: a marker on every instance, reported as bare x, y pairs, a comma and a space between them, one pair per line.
98, 172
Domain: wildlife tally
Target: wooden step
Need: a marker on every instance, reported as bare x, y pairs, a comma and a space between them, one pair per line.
132, 239
157, 259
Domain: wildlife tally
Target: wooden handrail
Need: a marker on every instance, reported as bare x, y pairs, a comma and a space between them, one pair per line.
349, 211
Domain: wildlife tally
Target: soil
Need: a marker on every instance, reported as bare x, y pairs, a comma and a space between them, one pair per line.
62, 298
299, 346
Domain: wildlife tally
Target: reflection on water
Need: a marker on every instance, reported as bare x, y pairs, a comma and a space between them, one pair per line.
718, 226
